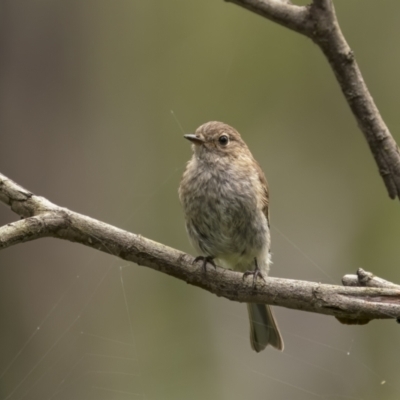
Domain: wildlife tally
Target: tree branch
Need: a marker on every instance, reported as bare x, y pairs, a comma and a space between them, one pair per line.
45, 219
366, 279
318, 22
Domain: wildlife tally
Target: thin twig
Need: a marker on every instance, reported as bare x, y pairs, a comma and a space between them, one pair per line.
366, 279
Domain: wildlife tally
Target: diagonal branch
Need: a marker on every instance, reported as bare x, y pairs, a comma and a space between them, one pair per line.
318, 22
45, 219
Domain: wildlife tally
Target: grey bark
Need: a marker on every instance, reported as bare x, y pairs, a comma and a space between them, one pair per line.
41, 218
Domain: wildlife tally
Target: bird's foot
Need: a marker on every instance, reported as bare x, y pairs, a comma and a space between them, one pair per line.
256, 273
205, 260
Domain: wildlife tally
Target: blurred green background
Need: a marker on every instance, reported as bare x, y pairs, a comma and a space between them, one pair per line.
86, 94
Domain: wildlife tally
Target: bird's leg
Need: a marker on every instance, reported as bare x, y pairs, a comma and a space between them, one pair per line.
205, 259
256, 273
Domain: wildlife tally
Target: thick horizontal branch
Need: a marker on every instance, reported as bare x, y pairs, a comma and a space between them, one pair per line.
318, 22
45, 219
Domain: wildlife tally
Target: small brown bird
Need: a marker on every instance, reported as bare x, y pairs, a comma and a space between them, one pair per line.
225, 199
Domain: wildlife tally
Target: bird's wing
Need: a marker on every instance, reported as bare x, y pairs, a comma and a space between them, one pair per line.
264, 184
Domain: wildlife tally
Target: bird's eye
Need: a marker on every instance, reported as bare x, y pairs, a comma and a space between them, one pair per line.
223, 140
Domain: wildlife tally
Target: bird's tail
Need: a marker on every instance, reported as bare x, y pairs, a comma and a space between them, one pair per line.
263, 328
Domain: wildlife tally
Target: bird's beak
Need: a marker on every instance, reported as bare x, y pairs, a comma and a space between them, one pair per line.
196, 139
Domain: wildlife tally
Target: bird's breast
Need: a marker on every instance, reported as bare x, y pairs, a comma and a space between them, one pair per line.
223, 217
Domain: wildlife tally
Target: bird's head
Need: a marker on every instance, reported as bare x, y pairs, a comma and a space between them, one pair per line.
214, 140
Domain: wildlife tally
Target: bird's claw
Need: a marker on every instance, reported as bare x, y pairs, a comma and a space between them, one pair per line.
256, 273
205, 259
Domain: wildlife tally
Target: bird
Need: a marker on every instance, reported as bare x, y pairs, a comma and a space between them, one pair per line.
225, 200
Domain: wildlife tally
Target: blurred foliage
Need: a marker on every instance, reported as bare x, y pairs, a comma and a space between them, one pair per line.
87, 90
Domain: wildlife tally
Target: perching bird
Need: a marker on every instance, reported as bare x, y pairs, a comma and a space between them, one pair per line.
225, 199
